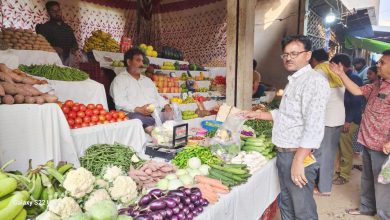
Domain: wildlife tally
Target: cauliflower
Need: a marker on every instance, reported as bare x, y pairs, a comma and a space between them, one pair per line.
102, 184
112, 173
96, 196
64, 207
79, 182
124, 189
47, 215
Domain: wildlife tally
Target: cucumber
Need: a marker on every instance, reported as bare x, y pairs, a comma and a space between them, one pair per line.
225, 182
239, 166
252, 149
229, 175
229, 169
221, 177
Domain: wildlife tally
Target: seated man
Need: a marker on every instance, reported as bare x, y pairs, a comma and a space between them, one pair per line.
133, 92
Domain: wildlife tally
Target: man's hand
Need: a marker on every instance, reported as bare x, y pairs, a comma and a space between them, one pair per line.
250, 114
59, 50
143, 110
298, 172
346, 127
167, 108
337, 68
386, 148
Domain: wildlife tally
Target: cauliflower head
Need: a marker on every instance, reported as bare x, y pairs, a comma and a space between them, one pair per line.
124, 189
47, 215
111, 173
96, 196
79, 182
102, 184
64, 207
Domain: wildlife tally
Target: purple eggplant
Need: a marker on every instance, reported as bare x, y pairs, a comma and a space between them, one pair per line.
190, 216
197, 193
198, 203
175, 198
191, 206
135, 213
168, 212
176, 210
186, 200
181, 216
163, 213
199, 209
187, 191
145, 200
205, 202
143, 217
195, 212
194, 198
186, 210
156, 192
170, 202
180, 205
157, 205
176, 193
156, 216
174, 217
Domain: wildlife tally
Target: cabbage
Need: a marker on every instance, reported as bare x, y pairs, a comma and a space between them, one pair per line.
181, 172
78, 216
186, 179
194, 163
163, 184
174, 184
171, 176
103, 210
124, 217
204, 169
194, 173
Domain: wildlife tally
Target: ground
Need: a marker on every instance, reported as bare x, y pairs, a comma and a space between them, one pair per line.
343, 197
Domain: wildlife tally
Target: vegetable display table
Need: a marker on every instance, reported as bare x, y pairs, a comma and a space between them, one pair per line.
129, 133
249, 200
37, 132
29, 57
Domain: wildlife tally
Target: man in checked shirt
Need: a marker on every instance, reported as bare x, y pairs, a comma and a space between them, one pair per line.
374, 135
299, 126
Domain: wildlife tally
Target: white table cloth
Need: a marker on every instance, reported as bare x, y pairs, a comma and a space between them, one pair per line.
247, 201
39, 132
129, 133
29, 57
9, 59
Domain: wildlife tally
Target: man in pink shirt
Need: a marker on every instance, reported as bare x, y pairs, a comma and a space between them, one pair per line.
374, 135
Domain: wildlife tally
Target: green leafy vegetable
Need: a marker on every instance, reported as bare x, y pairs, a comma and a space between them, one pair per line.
54, 72
203, 153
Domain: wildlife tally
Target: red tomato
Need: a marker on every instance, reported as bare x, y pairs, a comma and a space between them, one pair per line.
99, 106
125, 118
88, 112
65, 109
80, 114
102, 118
83, 125
119, 119
76, 108
78, 121
103, 112
106, 122
112, 111
99, 123
108, 116
77, 126
112, 120
95, 112
87, 119
71, 122
71, 127
92, 123
121, 115
69, 103
83, 107
94, 118
72, 115
91, 106
115, 115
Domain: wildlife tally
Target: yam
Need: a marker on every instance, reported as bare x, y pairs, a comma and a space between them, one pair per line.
8, 99
29, 100
50, 98
39, 99
2, 92
6, 78
19, 99
9, 88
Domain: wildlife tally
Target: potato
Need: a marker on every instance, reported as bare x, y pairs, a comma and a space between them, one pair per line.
8, 99
9, 88
39, 100
2, 92
29, 100
50, 98
19, 99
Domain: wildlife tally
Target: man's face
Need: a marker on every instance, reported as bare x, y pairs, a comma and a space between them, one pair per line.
358, 66
295, 57
55, 13
136, 63
384, 67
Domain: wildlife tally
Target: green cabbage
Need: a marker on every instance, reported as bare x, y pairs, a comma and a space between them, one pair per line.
103, 210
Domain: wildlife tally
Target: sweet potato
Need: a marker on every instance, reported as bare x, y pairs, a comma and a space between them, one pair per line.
19, 99
39, 99
2, 92
9, 88
31, 81
29, 100
16, 78
4, 68
8, 99
31, 89
5, 77
19, 72
20, 90
50, 98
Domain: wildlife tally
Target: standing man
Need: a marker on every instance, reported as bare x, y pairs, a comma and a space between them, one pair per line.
134, 93
353, 115
374, 135
298, 129
57, 33
334, 120
361, 69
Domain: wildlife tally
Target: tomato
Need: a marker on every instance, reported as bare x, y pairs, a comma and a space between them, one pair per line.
78, 121
71, 127
80, 114
115, 115
125, 118
92, 123
99, 106
91, 106
112, 111
95, 112
69, 103
106, 122
87, 119
94, 118
83, 107
103, 112
72, 115
71, 122
83, 125
121, 115
99, 123
112, 120
76, 108
65, 109
108, 116
88, 112
77, 126
102, 118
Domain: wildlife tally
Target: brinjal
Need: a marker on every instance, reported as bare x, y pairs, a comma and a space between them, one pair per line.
157, 205
143, 217
170, 202
176, 193
145, 200
156, 192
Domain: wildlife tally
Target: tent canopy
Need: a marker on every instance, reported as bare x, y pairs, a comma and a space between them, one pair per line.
376, 46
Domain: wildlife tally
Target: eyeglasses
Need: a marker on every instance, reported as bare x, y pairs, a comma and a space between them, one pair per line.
292, 55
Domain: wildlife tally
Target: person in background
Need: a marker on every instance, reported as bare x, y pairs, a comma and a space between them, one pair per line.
58, 33
334, 120
353, 112
258, 87
298, 128
374, 135
135, 93
372, 74
361, 69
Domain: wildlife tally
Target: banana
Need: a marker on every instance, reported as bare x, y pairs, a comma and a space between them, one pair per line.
22, 215
45, 180
8, 185
50, 163
15, 205
53, 172
38, 187
5, 201
3, 175
64, 168
51, 193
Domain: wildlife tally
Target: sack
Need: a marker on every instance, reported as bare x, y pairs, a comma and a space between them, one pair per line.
384, 175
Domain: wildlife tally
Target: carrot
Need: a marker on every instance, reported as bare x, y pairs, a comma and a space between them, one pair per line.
210, 181
208, 194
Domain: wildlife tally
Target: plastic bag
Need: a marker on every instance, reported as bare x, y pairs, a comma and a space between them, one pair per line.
384, 175
226, 143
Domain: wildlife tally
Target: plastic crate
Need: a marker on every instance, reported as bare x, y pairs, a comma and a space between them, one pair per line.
209, 128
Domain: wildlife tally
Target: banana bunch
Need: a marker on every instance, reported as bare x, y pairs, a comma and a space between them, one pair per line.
101, 41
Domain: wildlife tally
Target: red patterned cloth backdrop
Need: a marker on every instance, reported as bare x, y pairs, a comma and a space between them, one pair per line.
199, 32
83, 17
